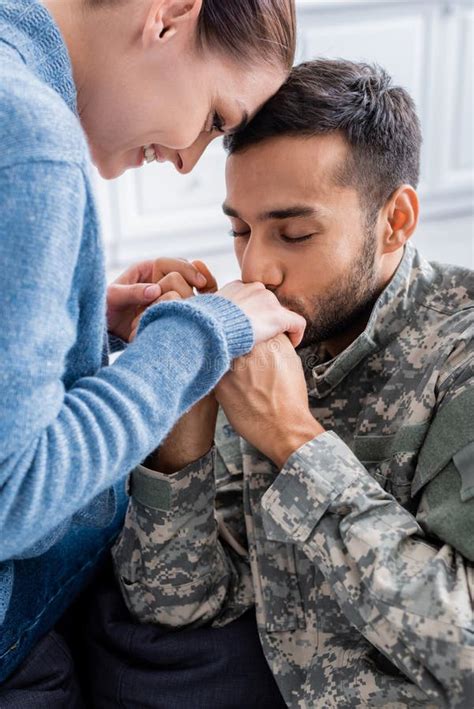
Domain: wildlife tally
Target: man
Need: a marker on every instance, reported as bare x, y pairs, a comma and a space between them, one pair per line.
340, 497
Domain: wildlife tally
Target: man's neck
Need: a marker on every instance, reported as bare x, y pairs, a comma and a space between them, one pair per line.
342, 341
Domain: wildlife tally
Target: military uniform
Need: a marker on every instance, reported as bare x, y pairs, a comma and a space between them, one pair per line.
358, 552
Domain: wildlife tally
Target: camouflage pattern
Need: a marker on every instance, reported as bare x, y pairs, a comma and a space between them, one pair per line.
358, 553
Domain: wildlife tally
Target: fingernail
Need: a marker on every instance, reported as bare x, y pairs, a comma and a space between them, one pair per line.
152, 292
201, 280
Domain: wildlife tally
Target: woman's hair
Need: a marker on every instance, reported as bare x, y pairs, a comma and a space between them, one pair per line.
245, 30
250, 29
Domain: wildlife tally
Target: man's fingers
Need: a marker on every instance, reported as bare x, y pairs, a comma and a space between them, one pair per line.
296, 328
119, 295
171, 295
211, 286
177, 283
190, 273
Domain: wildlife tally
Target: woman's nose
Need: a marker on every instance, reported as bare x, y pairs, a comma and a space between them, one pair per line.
191, 156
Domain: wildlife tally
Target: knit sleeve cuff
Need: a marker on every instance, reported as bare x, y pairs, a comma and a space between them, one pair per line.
230, 320
235, 324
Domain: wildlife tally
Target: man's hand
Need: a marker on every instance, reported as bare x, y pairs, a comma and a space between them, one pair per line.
266, 400
138, 288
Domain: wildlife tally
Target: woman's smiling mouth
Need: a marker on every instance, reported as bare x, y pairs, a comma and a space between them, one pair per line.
152, 153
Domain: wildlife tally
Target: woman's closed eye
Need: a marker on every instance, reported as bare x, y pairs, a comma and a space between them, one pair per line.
216, 123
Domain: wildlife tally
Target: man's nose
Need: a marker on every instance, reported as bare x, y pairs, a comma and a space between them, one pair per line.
190, 156
257, 264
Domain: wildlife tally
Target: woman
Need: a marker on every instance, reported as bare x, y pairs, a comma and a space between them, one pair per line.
140, 80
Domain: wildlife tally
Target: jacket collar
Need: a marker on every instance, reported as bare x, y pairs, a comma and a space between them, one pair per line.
394, 308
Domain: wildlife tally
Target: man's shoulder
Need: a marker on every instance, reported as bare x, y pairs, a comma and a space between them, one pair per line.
450, 291
443, 305
35, 122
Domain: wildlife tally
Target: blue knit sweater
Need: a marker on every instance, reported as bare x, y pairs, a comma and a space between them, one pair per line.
70, 426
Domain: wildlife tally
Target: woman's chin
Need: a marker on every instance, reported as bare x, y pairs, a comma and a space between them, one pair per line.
111, 168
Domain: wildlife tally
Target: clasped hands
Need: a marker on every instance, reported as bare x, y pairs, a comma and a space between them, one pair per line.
264, 396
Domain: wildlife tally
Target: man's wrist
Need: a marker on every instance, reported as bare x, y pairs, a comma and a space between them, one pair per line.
285, 444
191, 439
168, 462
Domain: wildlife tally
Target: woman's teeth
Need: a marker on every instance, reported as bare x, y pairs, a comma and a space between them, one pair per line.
149, 153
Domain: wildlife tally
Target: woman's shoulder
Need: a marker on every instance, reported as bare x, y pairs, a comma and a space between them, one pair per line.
35, 122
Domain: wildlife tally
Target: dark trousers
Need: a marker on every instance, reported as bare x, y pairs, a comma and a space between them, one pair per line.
124, 664
45, 680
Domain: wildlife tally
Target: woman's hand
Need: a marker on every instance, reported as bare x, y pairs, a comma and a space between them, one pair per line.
138, 288
193, 435
262, 308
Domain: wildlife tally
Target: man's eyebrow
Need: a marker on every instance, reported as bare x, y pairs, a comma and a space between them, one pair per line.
229, 211
243, 124
297, 210
294, 212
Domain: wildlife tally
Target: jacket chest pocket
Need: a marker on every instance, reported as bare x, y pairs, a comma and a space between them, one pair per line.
394, 478
278, 595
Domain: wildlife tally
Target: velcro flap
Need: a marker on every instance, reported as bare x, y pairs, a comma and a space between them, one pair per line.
464, 462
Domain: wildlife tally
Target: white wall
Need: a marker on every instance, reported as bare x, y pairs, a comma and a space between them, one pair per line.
427, 45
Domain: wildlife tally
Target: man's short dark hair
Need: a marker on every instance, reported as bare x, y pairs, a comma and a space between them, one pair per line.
359, 101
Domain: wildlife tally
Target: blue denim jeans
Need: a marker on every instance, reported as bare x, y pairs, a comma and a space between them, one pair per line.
45, 586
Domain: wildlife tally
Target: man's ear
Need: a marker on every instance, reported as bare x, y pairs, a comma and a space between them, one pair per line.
166, 17
401, 218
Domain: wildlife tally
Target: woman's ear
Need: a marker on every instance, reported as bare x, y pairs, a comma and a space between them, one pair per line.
166, 17
401, 218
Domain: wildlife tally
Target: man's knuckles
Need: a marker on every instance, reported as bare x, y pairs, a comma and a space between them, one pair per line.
176, 282
190, 273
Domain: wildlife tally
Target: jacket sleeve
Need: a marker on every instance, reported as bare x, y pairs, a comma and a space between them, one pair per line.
61, 447
178, 562
406, 585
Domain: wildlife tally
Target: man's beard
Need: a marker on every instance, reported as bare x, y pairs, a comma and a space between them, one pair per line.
346, 305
